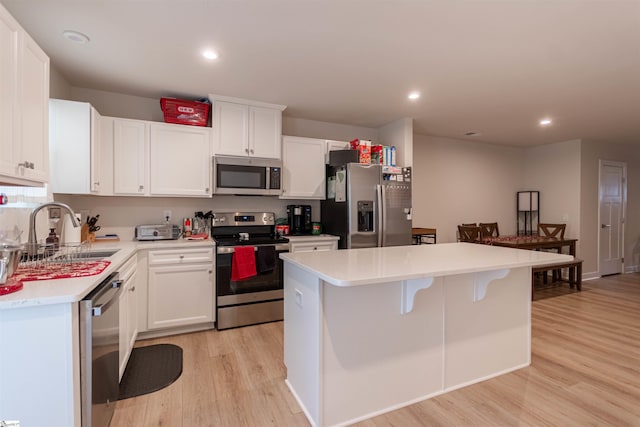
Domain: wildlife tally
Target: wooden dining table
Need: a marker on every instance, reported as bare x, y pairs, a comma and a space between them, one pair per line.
532, 242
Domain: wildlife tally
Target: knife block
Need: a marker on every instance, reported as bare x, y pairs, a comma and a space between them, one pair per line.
85, 235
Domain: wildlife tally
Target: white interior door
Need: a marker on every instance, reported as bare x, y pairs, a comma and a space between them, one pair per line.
613, 190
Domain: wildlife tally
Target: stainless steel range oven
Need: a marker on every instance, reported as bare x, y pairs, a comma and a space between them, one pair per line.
258, 298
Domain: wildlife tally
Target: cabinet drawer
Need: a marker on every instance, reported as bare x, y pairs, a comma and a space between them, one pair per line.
180, 256
313, 246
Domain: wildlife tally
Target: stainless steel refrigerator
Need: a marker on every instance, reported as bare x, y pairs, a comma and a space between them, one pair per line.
365, 208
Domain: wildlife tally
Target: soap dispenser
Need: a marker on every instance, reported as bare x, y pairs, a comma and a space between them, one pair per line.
53, 243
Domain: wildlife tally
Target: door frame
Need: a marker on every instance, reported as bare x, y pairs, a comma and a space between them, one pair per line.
623, 165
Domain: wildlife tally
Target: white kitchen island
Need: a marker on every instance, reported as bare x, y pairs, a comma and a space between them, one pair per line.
367, 331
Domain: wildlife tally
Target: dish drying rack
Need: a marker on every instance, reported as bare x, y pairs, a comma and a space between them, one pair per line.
55, 257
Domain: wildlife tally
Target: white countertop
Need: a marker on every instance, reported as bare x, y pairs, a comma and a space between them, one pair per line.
42, 292
352, 267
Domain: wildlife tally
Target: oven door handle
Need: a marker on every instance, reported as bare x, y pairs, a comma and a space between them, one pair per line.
231, 249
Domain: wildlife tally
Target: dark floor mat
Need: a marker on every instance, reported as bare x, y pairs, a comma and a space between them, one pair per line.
150, 369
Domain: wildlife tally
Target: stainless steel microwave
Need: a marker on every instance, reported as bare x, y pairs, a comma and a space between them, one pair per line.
247, 176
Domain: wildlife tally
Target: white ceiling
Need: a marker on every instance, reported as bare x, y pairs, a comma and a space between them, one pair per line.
493, 67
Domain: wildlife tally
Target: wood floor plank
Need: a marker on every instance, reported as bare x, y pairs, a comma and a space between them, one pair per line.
585, 371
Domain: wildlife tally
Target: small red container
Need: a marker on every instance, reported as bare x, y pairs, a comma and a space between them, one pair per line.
185, 112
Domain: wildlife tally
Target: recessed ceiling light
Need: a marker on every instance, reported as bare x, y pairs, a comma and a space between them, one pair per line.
545, 122
414, 95
210, 54
75, 36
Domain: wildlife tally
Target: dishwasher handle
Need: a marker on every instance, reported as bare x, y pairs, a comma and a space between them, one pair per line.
99, 309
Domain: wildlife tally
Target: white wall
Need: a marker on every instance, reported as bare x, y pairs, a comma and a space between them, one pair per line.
323, 130
458, 181
120, 105
59, 87
399, 134
554, 170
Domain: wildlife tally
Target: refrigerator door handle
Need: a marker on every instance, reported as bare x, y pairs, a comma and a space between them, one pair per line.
380, 199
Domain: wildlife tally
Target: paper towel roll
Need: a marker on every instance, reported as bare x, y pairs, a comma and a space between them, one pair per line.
71, 234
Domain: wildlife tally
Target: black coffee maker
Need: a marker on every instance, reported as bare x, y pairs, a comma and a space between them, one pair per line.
299, 219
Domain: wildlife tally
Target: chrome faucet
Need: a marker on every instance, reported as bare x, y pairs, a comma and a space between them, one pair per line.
32, 243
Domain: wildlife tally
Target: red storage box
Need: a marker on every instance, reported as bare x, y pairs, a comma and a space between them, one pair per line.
185, 112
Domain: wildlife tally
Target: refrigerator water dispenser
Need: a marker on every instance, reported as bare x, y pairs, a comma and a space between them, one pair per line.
365, 215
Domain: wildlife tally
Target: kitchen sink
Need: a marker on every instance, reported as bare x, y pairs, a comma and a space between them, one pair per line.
86, 256
70, 256
97, 254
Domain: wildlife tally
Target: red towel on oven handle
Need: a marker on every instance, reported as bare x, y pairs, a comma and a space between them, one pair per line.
243, 263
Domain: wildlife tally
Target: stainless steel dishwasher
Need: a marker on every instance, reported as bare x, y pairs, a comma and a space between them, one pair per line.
99, 339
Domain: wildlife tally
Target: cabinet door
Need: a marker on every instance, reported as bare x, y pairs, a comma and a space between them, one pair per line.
105, 154
180, 295
128, 311
265, 132
70, 146
33, 96
303, 168
129, 157
180, 160
95, 172
231, 124
9, 131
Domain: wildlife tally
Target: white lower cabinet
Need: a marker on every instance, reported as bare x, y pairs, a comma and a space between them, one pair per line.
313, 243
128, 311
180, 287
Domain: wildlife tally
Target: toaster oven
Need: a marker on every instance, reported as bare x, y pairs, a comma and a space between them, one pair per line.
157, 232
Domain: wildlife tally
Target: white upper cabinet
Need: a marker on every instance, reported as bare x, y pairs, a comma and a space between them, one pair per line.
333, 145
265, 132
303, 168
24, 106
130, 148
180, 160
160, 159
231, 128
75, 148
246, 128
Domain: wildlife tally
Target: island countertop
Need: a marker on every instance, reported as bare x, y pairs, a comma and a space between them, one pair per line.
353, 267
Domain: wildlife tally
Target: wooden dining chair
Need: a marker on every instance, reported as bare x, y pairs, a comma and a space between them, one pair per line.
556, 231
469, 233
551, 230
489, 229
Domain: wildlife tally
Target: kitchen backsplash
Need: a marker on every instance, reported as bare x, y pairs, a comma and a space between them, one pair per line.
15, 214
118, 214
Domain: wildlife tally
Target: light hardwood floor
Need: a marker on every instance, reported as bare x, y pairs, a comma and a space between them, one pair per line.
585, 371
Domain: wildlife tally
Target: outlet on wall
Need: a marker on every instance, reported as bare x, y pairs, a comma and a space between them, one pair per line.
166, 216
